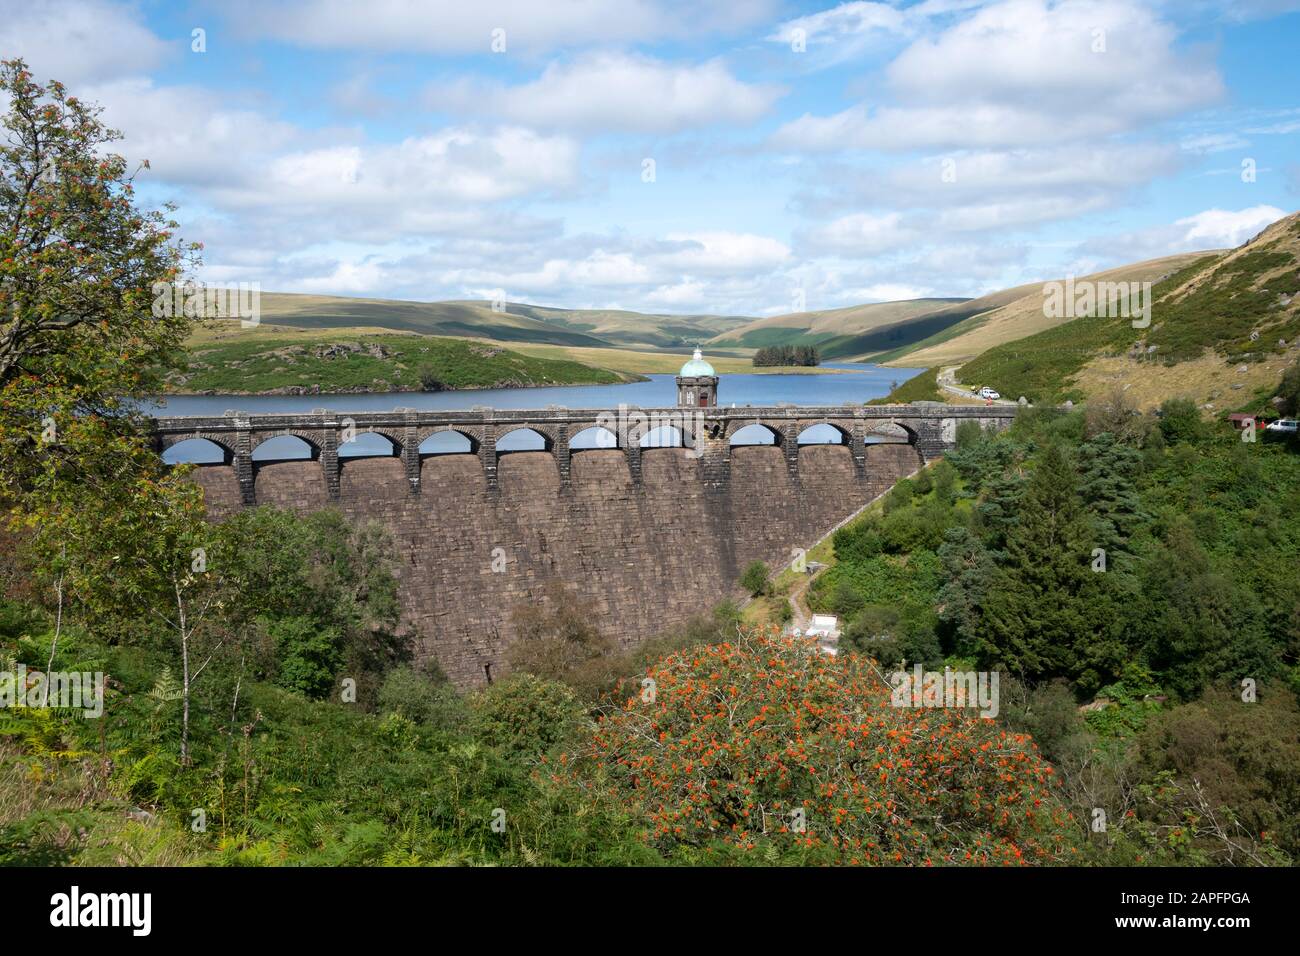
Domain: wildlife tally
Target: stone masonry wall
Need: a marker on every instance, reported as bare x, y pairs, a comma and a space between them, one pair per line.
647, 556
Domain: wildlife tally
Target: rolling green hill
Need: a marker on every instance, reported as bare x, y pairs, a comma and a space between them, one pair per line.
1014, 314
344, 362
1223, 329
968, 315
476, 319
833, 331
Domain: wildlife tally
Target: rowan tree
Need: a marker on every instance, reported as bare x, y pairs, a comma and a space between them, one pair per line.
78, 262
763, 743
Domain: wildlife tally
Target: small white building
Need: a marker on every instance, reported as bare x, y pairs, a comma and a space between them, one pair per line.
823, 625
825, 630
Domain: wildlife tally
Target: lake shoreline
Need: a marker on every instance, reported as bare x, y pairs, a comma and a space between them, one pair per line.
309, 391
858, 384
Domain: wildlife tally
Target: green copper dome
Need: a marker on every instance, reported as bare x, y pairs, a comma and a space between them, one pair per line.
697, 367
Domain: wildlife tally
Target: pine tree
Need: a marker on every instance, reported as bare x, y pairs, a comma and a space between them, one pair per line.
1108, 487
969, 570
1197, 623
1039, 611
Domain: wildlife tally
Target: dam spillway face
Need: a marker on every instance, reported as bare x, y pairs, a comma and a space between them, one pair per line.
649, 537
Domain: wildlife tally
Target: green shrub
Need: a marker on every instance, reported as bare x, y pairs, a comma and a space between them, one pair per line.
899, 496
754, 578
1180, 421
421, 699
969, 433
526, 717
307, 655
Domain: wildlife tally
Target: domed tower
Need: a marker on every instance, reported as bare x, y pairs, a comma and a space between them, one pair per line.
697, 383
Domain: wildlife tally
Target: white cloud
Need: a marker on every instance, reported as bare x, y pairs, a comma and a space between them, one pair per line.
356, 96
76, 41
617, 92
706, 253
445, 182
1210, 229
1276, 129
944, 181
269, 171
455, 26
1213, 142
1050, 84
1223, 227
860, 234
190, 135
848, 20
889, 292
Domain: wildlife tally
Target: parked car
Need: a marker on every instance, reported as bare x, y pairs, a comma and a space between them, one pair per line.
1284, 426
987, 392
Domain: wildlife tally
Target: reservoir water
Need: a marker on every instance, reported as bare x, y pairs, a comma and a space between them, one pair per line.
854, 383
857, 382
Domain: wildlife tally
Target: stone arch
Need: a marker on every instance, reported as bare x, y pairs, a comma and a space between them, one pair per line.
222, 439
445, 442
664, 436
593, 437
522, 431
473, 435
395, 437
310, 436
195, 447
360, 446
280, 453
886, 431
736, 428
824, 433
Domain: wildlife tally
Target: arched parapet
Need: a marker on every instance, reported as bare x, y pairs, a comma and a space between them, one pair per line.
667, 435
594, 436
221, 440
709, 432
772, 428
844, 431
314, 438
283, 448
549, 434
893, 429
397, 438
848, 434
490, 451
926, 434
473, 434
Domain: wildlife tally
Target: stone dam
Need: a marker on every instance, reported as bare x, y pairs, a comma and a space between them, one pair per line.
650, 536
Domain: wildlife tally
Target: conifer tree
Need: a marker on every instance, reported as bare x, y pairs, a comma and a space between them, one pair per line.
1037, 614
969, 570
1108, 487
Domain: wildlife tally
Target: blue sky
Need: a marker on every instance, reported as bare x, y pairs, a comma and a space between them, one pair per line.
802, 152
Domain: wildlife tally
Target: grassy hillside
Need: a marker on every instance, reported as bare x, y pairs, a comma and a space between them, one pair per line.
969, 315
1199, 344
828, 326
622, 327
918, 388
899, 337
476, 319
1022, 316
371, 362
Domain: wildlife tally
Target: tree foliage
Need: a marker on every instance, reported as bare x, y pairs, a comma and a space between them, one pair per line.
78, 262
765, 745
787, 355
